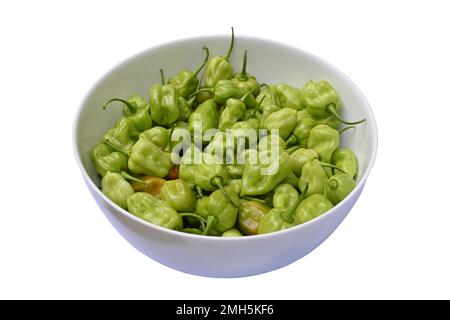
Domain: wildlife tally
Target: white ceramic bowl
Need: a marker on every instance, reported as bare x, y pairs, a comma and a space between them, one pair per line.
270, 62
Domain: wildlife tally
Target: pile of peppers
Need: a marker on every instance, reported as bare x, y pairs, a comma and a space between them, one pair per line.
230, 200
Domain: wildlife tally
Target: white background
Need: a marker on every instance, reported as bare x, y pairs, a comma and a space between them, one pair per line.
56, 243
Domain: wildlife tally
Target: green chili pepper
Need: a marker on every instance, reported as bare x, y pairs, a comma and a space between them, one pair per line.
313, 175
300, 157
234, 110
219, 206
233, 232
106, 159
187, 165
158, 135
291, 179
312, 207
186, 82
268, 97
256, 182
338, 187
178, 195
137, 110
249, 215
234, 171
164, 103
235, 184
284, 196
207, 113
219, 67
305, 122
289, 97
271, 141
250, 124
116, 188
324, 140
322, 100
245, 80
120, 137
226, 89
284, 120
151, 209
345, 159
149, 159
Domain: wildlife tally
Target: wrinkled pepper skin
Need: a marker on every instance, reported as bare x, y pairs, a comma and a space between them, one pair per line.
106, 159
268, 97
317, 96
148, 159
226, 89
284, 120
116, 188
152, 185
338, 187
324, 140
249, 216
233, 112
178, 195
164, 106
207, 113
301, 157
153, 210
315, 176
284, 196
312, 207
305, 122
219, 206
271, 141
217, 69
233, 232
184, 108
272, 222
255, 183
289, 97
120, 137
345, 159
204, 172
158, 135
187, 166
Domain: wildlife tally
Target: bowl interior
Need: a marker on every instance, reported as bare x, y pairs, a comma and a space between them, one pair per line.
269, 61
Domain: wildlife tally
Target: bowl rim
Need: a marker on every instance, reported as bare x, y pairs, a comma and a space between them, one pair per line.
93, 186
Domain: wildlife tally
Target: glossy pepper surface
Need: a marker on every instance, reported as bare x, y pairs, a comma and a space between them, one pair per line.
249, 215
324, 140
178, 195
233, 232
312, 207
116, 188
313, 175
219, 67
149, 159
151, 209
284, 120
300, 157
158, 135
164, 104
338, 187
289, 96
206, 114
245, 80
233, 112
284, 196
345, 159
120, 137
106, 159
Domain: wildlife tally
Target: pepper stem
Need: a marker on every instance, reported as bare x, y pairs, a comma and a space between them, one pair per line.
131, 108
131, 178
202, 90
161, 74
346, 128
288, 215
331, 108
327, 165
199, 191
258, 106
204, 61
211, 220
242, 99
291, 140
243, 75
230, 49
113, 146
217, 181
202, 220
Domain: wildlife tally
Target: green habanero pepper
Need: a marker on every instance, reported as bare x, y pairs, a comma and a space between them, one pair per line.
187, 166
226, 89
221, 208
324, 140
219, 67
234, 110
284, 120
116, 188
284, 196
312, 207
153, 210
120, 137
268, 96
233, 232
322, 100
245, 80
345, 159
178, 195
249, 215
300, 157
262, 177
315, 176
158, 135
207, 114
186, 82
291, 179
136, 109
289, 97
271, 141
338, 187
164, 101
148, 158
305, 122
106, 159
